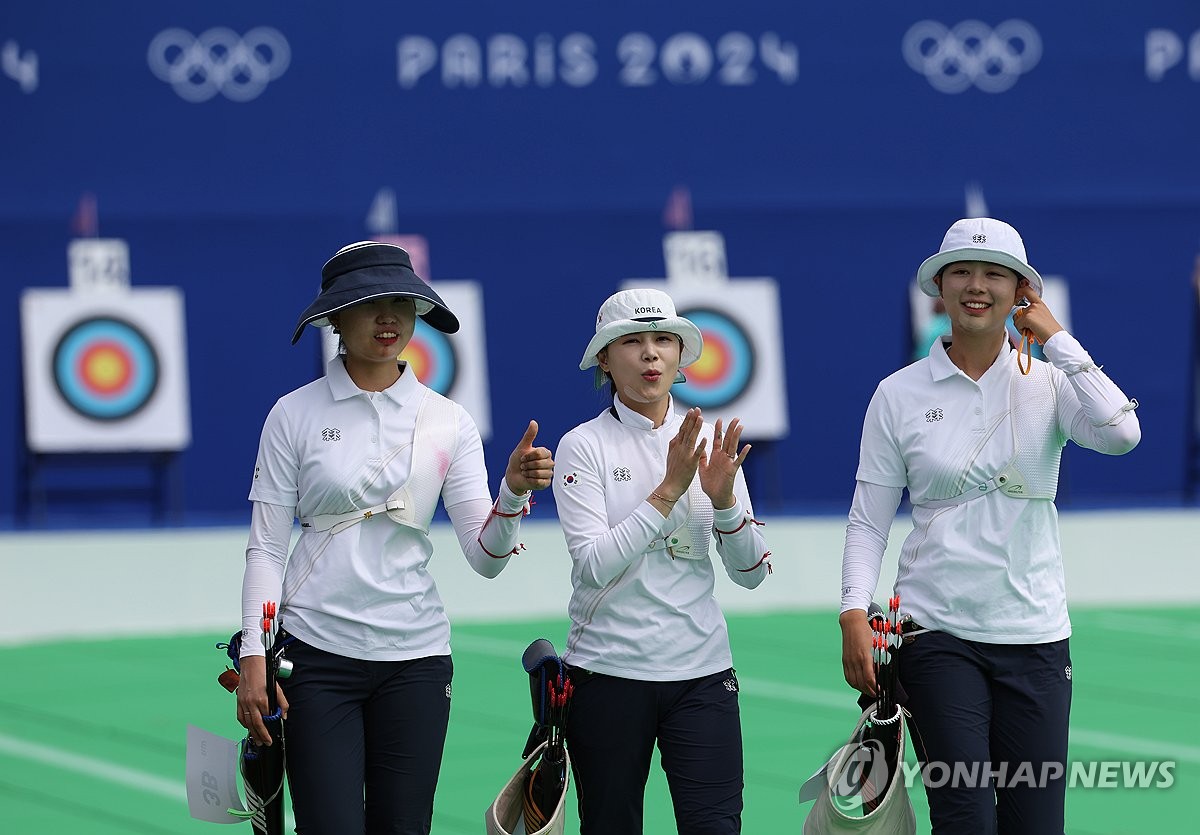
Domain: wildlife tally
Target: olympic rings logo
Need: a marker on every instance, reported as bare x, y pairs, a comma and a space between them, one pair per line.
972, 54
238, 67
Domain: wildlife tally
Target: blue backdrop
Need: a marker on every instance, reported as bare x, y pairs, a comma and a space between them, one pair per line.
236, 145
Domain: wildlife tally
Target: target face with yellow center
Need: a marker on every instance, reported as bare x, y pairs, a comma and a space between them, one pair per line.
105, 368
431, 356
726, 365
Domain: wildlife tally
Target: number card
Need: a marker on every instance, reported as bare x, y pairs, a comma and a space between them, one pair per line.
211, 779
695, 258
98, 265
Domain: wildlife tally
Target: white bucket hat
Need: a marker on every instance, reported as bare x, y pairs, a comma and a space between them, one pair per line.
634, 311
978, 239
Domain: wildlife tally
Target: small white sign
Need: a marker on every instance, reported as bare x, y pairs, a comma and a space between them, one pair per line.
695, 258
212, 789
98, 265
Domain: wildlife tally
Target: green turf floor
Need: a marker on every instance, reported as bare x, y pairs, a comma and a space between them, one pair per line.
92, 733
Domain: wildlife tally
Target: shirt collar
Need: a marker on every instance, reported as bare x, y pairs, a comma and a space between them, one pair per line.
342, 387
941, 367
629, 417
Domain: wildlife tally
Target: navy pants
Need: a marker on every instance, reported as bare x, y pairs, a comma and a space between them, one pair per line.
1004, 707
364, 741
611, 731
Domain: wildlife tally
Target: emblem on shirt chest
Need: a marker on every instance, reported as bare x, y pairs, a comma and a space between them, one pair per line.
571, 479
622, 474
934, 415
331, 434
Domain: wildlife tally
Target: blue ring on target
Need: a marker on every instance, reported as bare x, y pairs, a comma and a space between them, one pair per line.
139, 363
441, 369
732, 380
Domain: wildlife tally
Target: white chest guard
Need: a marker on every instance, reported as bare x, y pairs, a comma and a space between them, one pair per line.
691, 540
414, 502
1032, 472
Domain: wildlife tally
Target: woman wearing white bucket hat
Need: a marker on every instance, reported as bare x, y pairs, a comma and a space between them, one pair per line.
975, 437
362, 457
640, 499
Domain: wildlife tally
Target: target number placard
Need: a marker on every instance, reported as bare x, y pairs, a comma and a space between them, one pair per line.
98, 265
695, 258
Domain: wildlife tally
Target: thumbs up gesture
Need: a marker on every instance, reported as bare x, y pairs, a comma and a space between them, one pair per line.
529, 467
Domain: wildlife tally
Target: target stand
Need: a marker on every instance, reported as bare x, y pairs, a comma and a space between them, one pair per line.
122, 484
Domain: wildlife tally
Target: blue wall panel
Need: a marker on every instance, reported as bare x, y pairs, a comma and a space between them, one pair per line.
801, 130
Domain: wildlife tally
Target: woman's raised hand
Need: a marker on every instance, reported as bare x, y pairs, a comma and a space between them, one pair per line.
717, 471
1035, 316
683, 456
529, 467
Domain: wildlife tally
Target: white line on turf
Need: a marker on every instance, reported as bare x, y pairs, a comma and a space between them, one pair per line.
92, 767
99, 769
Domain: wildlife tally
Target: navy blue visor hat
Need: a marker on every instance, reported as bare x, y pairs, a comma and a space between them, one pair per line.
369, 270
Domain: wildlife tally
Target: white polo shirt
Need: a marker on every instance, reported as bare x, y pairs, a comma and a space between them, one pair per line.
637, 612
989, 569
364, 592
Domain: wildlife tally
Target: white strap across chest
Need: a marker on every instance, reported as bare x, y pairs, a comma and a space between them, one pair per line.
413, 503
338, 522
1029, 420
1008, 480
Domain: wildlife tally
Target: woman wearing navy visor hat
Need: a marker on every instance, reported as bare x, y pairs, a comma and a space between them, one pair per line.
974, 432
641, 496
362, 457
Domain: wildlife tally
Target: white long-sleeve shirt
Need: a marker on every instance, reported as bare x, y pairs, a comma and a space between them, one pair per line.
636, 611
364, 592
989, 569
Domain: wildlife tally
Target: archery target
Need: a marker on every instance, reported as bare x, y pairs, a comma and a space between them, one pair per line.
457, 365
105, 368
740, 371
726, 365
105, 371
431, 356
